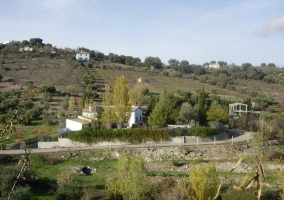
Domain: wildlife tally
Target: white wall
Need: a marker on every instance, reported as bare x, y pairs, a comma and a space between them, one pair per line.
47, 145
73, 126
137, 114
82, 56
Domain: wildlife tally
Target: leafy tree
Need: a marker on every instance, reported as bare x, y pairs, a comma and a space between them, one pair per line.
71, 104
271, 65
28, 104
25, 43
91, 91
153, 62
198, 70
222, 63
129, 182
65, 102
184, 67
36, 42
166, 111
107, 115
204, 181
121, 100
217, 114
174, 64
139, 91
187, 112
151, 104
48, 88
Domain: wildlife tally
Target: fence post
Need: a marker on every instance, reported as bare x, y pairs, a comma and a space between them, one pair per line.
247, 138
232, 140
197, 141
214, 140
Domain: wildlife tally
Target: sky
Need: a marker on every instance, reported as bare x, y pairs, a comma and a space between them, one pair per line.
199, 31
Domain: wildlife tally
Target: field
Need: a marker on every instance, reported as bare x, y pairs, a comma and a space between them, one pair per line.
162, 164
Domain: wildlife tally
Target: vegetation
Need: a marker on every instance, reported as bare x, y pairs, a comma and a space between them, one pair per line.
90, 135
203, 96
129, 182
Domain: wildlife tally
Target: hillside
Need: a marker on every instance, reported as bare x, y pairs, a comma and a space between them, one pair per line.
65, 77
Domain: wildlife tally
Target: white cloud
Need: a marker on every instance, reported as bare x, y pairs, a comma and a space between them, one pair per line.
274, 26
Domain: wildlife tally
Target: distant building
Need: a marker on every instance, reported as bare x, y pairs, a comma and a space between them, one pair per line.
142, 80
215, 66
82, 56
26, 49
10, 42
236, 109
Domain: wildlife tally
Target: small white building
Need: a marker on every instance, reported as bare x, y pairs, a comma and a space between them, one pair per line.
236, 109
82, 56
77, 124
26, 49
214, 66
136, 116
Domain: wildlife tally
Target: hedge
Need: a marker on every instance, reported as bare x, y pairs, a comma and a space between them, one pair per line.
90, 135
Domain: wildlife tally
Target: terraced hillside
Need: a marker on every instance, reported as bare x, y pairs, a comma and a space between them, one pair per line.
157, 83
41, 71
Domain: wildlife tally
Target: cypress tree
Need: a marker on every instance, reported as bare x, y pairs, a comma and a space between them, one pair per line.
202, 103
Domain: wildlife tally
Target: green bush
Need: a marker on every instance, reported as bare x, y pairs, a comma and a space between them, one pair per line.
90, 135
233, 194
22, 193
202, 131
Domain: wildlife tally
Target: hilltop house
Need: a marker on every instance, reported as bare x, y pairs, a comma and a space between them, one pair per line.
213, 65
82, 56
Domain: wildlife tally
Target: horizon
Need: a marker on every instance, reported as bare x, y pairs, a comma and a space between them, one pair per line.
246, 31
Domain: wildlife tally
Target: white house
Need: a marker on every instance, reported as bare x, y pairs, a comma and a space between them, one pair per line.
215, 66
136, 116
82, 56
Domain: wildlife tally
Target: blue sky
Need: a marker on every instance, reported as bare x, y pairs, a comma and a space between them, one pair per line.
199, 31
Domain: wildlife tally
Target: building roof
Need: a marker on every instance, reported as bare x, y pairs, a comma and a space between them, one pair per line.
82, 52
234, 104
82, 121
133, 108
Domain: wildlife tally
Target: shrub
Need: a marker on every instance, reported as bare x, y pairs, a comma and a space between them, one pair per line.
22, 193
52, 160
234, 194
